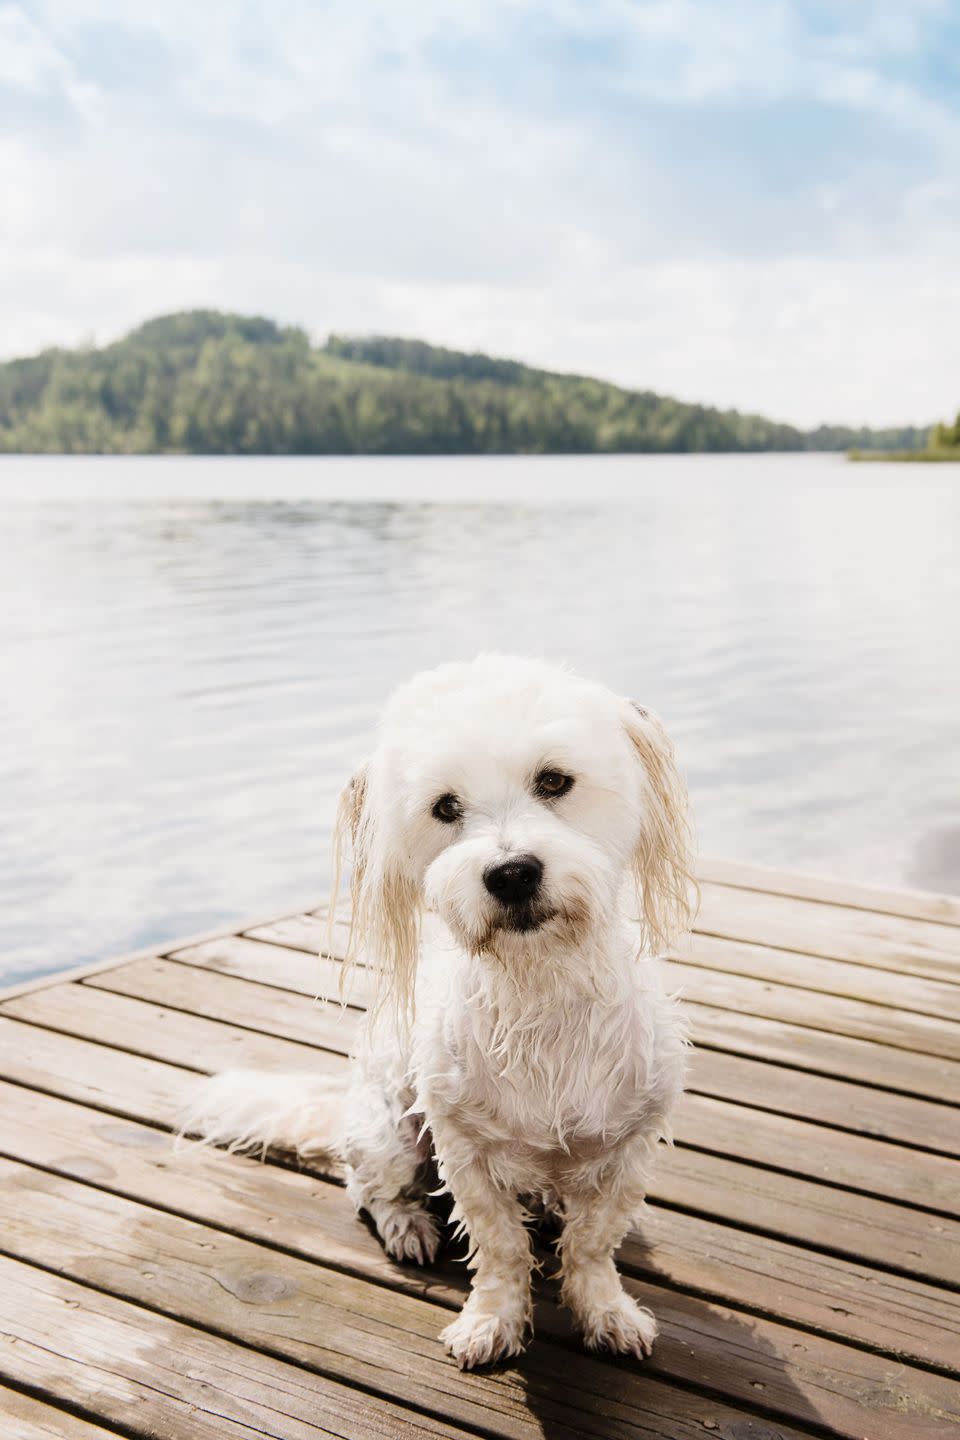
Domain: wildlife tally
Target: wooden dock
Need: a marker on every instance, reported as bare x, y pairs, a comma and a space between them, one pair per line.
802, 1248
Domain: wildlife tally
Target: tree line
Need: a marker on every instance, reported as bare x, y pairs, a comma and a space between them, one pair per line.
945, 436
208, 383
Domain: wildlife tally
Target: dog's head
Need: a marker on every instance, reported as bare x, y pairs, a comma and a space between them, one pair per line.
517, 800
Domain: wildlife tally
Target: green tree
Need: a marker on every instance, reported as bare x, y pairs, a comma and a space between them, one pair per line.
212, 383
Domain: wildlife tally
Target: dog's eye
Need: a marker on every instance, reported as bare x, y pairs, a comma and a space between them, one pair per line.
447, 809
550, 784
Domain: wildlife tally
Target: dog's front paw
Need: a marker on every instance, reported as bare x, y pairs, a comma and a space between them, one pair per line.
409, 1234
624, 1327
479, 1337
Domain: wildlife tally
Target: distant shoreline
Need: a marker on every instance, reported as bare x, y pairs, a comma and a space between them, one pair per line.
923, 457
206, 383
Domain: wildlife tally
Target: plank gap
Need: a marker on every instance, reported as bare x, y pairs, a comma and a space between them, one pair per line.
799, 1068
233, 1339
846, 1189
778, 945
692, 1088
394, 1282
64, 1407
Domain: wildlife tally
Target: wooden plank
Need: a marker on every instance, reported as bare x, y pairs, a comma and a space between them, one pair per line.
286, 969
842, 1056
827, 977
823, 1293
160, 1033
871, 1166
24, 1418
306, 931
859, 1227
835, 1103
748, 1081
219, 996
385, 1341
912, 904
859, 1056
155, 1377
833, 1013
721, 1266
112, 1080
314, 1219
294, 970
836, 932
791, 1207
855, 978
765, 992
366, 1334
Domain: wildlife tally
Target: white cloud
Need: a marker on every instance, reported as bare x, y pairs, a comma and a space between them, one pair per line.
805, 340
32, 64
519, 176
28, 60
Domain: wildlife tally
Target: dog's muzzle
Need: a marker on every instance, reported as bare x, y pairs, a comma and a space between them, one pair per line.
516, 885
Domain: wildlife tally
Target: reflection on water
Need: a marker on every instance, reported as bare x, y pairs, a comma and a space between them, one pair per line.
185, 682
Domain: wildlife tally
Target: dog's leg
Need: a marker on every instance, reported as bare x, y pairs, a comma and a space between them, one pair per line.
387, 1163
494, 1322
594, 1225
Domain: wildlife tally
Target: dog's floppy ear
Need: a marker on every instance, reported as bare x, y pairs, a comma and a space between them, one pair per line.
385, 902
663, 859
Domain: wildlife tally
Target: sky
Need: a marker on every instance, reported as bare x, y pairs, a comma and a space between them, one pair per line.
744, 202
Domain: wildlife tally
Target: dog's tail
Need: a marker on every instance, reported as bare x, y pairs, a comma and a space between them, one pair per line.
254, 1110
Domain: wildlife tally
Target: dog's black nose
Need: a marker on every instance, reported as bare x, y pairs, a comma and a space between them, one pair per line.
515, 880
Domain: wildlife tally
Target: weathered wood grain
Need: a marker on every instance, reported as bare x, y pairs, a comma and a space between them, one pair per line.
860, 1227
113, 1080
746, 1080
922, 948
381, 1340
791, 1207
905, 992
304, 973
219, 996
24, 1418
835, 1013
323, 1318
857, 979
844, 1057
870, 1166
169, 1381
829, 1102
287, 969
306, 931
802, 1248
912, 904
314, 1219
164, 1034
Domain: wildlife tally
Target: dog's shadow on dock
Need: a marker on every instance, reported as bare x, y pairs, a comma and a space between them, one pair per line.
704, 1351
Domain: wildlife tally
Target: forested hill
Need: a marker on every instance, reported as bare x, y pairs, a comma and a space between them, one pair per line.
208, 383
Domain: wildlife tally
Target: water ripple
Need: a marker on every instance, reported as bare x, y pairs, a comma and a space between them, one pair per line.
186, 679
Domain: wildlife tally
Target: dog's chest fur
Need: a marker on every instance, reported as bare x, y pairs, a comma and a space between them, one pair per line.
559, 1074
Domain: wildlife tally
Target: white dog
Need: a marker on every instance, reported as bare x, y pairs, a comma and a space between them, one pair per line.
522, 1034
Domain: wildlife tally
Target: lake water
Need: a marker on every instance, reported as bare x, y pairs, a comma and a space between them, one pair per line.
192, 654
